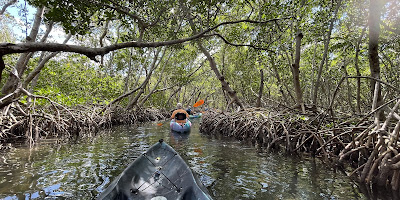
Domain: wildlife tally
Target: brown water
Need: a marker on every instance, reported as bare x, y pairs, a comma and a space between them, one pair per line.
228, 168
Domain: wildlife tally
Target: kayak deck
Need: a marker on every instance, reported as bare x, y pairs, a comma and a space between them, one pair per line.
160, 173
197, 115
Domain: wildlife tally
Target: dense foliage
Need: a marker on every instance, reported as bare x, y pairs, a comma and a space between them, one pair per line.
268, 46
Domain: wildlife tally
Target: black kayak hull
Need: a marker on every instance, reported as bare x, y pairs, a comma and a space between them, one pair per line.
160, 174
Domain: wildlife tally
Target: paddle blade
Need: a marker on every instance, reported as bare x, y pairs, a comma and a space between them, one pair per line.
199, 103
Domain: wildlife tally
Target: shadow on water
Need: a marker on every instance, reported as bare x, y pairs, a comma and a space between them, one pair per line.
179, 138
228, 168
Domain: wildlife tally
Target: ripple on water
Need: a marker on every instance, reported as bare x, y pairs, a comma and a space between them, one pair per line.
228, 168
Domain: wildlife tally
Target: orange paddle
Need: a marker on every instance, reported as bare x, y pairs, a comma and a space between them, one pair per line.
199, 103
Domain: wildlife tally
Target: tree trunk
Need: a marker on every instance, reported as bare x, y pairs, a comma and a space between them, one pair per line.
33, 81
288, 58
41, 65
154, 65
325, 55
12, 81
102, 36
348, 89
260, 92
313, 65
126, 85
128, 94
296, 73
180, 85
173, 95
358, 97
139, 74
278, 80
213, 64
224, 84
191, 96
375, 8
160, 77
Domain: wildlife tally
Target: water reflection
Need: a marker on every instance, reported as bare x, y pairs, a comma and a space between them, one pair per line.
229, 169
178, 138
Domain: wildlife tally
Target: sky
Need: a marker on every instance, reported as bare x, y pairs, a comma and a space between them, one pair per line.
23, 23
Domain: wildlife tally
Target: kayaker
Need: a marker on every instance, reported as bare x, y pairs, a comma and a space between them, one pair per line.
189, 110
179, 111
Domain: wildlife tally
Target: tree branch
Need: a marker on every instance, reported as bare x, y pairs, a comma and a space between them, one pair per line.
124, 10
10, 48
240, 45
40, 66
6, 6
163, 89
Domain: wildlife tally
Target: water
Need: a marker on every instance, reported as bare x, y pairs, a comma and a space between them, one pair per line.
228, 168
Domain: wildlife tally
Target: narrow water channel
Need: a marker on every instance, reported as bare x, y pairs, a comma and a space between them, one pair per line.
228, 168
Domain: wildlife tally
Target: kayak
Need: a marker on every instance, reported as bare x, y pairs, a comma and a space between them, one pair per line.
159, 173
180, 127
198, 115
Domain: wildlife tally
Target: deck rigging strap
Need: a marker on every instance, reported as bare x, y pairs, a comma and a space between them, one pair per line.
158, 171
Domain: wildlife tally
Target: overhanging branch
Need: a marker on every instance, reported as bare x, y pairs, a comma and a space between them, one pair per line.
240, 45
3, 10
10, 48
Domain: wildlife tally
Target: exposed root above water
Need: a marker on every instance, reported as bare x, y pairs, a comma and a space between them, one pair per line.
30, 123
370, 148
